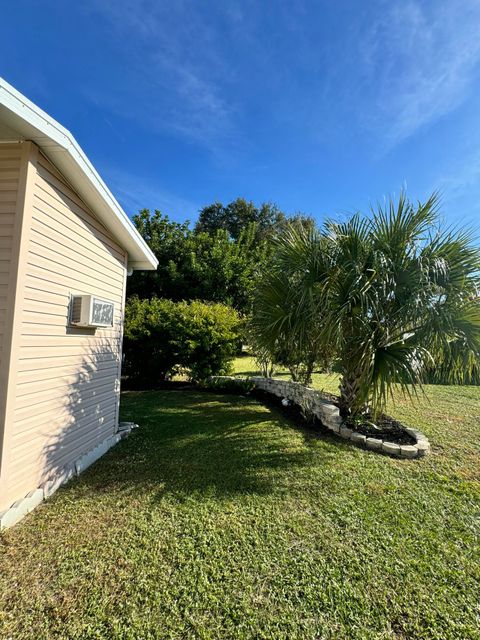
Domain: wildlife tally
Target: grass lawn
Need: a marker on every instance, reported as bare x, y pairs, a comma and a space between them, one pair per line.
219, 520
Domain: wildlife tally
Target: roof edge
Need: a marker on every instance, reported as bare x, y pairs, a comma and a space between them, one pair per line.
60, 146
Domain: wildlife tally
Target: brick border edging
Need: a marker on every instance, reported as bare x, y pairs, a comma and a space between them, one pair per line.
329, 415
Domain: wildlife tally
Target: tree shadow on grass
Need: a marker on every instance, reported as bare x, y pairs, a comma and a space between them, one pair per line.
197, 443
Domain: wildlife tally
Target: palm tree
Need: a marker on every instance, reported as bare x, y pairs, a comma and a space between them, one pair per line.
286, 320
392, 294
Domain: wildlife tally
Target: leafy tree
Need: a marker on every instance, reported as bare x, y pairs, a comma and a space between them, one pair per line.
221, 270
237, 216
168, 241
211, 219
218, 261
396, 295
299, 220
201, 265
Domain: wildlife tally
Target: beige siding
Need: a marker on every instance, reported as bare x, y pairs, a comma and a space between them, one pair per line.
13, 171
10, 161
67, 379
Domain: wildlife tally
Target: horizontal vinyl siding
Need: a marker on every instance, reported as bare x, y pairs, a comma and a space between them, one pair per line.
10, 161
68, 379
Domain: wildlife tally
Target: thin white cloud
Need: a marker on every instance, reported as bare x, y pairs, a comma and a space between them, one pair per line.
173, 70
135, 193
196, 70
465, 177
419, 62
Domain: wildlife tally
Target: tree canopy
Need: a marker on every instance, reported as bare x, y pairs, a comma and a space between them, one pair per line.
238, 215
218, 260
196, 264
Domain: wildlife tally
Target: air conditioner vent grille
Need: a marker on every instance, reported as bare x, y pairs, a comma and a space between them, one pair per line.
76, 310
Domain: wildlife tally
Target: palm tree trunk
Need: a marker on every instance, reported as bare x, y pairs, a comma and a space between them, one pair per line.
293, 372
350, 385
309, 367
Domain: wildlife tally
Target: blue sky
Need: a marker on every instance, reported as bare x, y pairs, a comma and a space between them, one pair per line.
322, 107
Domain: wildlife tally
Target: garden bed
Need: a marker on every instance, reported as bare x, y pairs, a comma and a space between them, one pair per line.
386, 428
390, 436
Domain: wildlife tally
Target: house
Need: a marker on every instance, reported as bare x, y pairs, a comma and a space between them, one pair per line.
66, 248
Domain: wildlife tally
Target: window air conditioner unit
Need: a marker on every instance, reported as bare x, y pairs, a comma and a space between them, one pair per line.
90, 311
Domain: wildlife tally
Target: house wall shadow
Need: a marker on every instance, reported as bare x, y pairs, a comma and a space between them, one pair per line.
193, 443
190, 442
86, 407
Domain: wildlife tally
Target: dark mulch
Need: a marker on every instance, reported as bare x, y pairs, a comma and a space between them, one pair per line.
387, 429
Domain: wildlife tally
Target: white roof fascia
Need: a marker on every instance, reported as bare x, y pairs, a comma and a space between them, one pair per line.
29, 122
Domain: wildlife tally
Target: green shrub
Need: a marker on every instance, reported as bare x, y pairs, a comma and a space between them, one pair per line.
163, 337
229, 385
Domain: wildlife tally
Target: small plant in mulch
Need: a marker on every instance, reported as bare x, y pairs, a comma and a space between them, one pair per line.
384, 428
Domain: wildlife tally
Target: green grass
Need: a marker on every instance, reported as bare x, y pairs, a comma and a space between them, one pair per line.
219, 520
448, 415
